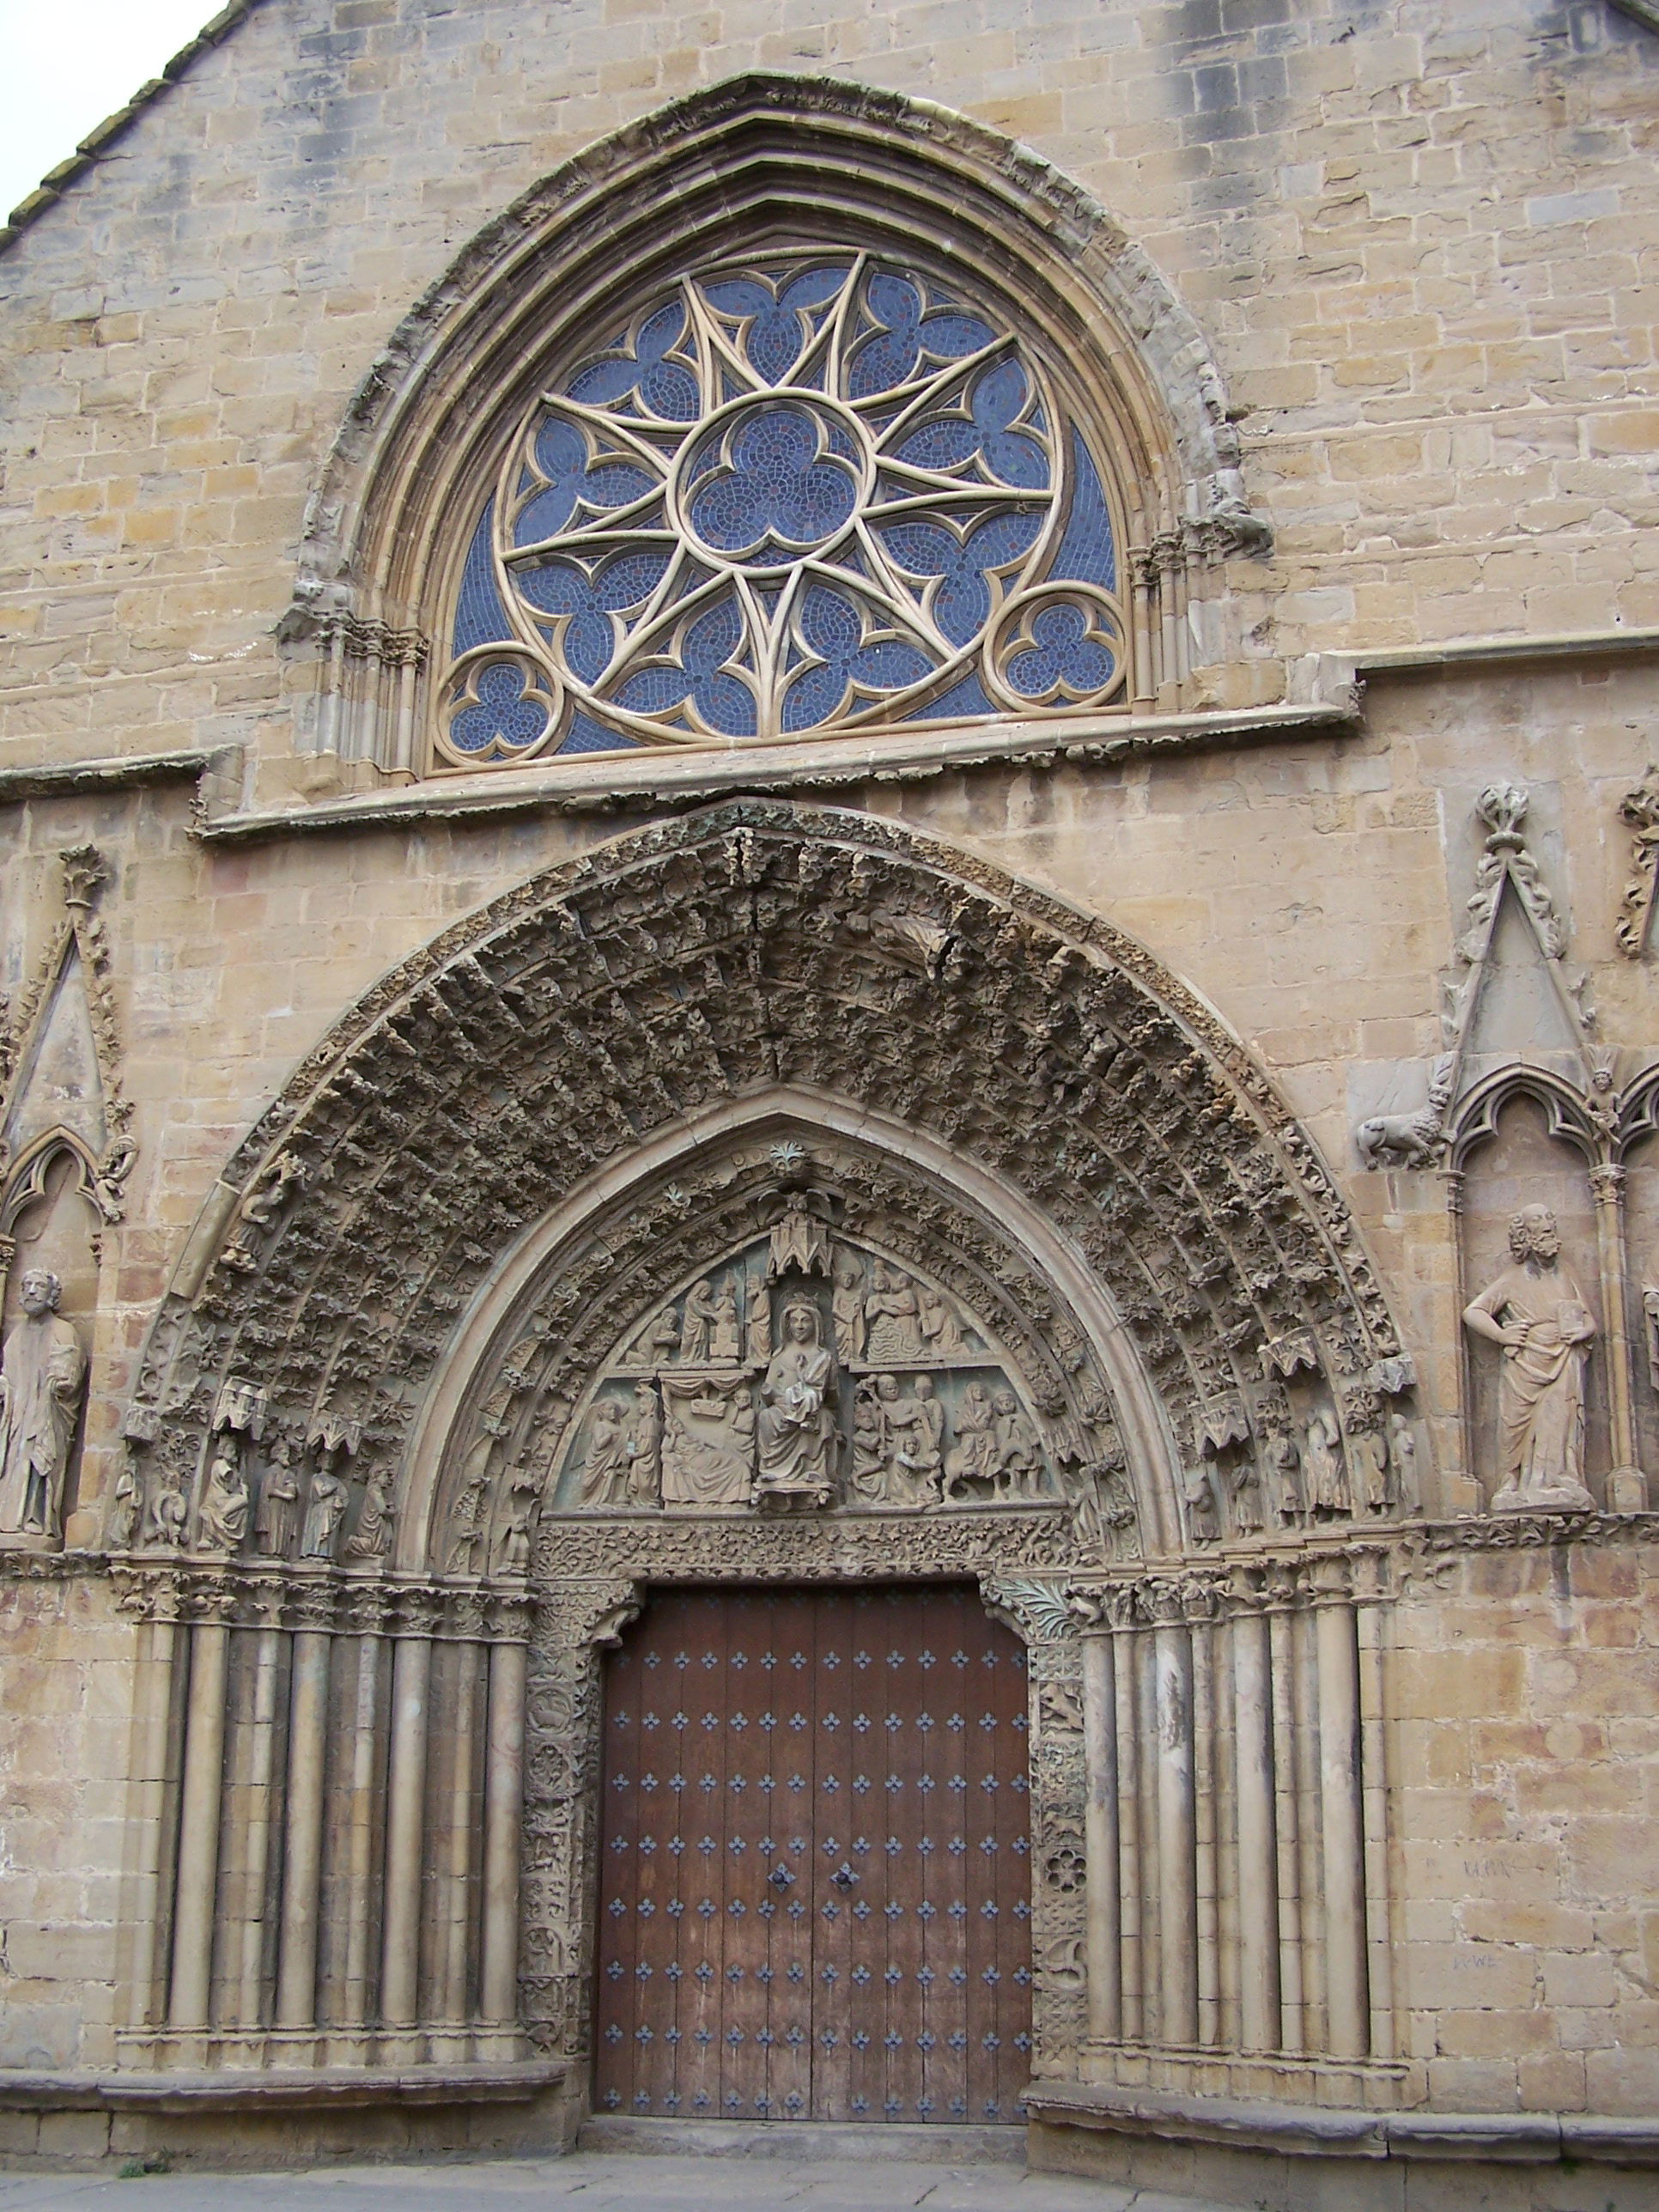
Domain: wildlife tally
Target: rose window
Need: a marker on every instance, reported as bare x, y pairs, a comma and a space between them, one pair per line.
813, 495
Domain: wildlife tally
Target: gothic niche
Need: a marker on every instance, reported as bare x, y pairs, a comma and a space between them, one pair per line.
807, 1370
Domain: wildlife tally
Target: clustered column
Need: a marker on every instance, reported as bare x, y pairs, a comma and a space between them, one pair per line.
1281, 1800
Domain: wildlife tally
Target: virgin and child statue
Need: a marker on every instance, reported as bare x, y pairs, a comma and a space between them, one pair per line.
795, 1428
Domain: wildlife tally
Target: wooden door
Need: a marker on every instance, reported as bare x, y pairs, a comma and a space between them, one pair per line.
814, 1886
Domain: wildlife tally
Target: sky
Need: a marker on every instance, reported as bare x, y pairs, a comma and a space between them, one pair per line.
65, 64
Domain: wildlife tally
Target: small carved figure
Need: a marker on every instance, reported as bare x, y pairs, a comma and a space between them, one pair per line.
1322, 1463
915, 1428
1402, 1450
663, 1336
123, 1505
642, 1448
1245, 1484
513, 1547
1650, 1314
940, 1332
605, 1469
696, 1324
1284, 1478
109, 1181
1019, 1455
1203, 1511
168, 1515
869, 1442
278, 1509
41, 1373
221, 1519
323, 1515
372, 1536
795, 1424
1369, 1469
847, 1310
725, 1329
757, 1328
893, 1318
466, 1524
263, 1202
972, 1456
1535, 1314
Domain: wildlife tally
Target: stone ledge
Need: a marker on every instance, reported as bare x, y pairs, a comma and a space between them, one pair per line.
1320, 2131
307, 2088
1452, 653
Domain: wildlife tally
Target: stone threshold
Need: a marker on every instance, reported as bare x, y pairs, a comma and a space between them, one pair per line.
948, 2142
229, 2090
1328, 2131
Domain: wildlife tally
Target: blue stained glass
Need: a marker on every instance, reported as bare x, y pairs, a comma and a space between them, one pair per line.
587, 736
905, 334
1087, 551
776, 333
560, 587
575, 477
1061, 654
775, 490
727, 706
480, 616
962, 604
667, 388
1008, 456
963, 703
503, 713
834, 628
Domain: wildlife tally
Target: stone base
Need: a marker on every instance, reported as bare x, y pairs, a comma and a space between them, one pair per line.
807, 2139
262, 2121
1284, 2158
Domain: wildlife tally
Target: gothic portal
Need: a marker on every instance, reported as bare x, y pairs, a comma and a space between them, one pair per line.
828, 1240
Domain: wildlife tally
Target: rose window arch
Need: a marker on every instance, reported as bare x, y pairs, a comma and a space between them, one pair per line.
799, 494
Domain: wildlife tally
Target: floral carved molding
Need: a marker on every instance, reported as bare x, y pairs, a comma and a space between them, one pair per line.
747, 951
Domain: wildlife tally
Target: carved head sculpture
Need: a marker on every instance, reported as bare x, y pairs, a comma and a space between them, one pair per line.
41, 1292
800, 1324
1533, 1235
848, 1275
1005, 1402
923, 1386
887, 1386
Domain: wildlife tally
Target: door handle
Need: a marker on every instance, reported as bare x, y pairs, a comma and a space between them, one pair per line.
781, 1877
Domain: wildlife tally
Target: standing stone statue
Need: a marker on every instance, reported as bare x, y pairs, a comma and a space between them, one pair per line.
642, 1448
700, 1316
1536, 1315
41, 1374
279, 1504
323, 1516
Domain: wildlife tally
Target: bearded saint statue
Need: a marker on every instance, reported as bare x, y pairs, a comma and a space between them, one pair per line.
1535, 1314
40, 1377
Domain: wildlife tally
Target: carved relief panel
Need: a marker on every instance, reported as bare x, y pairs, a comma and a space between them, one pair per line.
808, 1368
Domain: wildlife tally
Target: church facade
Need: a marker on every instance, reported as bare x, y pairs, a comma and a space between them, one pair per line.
829, 1105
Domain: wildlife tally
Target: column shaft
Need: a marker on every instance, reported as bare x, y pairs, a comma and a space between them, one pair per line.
303, 1851
250, 2006
1292, 2034
503, 1818
1627, 1490
1347, 2001
200, 1800
1100, 1836
1131, 1915
405, 1793
360, 1869
1258, 1843
1177, 1882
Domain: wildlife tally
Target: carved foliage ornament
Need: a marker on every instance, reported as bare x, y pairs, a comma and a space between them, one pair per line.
717, 958
812, 493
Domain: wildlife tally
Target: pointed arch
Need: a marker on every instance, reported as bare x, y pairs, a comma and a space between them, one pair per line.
839, 972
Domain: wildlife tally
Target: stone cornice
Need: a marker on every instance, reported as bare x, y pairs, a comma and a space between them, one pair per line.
244, 2088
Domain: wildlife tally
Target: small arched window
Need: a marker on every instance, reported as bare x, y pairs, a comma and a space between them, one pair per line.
809, 492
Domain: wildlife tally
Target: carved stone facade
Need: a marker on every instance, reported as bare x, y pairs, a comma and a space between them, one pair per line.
852, 939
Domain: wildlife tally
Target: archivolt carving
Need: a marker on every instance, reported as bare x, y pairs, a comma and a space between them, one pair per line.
701, 969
